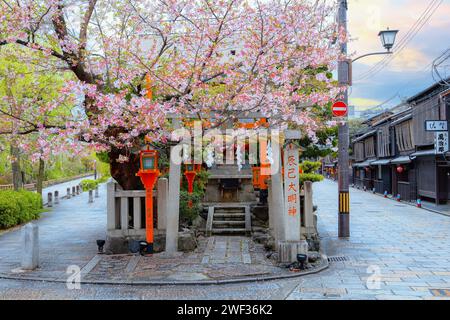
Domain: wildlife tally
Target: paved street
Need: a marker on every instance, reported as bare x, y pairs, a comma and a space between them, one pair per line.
396, 251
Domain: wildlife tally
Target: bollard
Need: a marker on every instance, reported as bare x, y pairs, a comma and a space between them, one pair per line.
398, 197
68, 193
96, 192
78, 190
385, 194
30, 245
91, 198
73, 192
49, 200
374, 190
419, 203
56, 197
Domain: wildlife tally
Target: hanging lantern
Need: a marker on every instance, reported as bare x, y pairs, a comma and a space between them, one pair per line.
400, 169
190, 174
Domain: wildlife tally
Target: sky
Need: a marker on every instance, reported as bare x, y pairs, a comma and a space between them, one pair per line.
409, 72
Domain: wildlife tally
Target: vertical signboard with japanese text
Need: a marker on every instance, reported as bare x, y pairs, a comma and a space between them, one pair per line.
441, 142
292, 193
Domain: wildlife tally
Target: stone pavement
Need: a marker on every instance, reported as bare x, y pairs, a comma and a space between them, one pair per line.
216, 258
68, 235
395, 251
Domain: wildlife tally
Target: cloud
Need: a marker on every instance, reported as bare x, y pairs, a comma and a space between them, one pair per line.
409, 72
362, 104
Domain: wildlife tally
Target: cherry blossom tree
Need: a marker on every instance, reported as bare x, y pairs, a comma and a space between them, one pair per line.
211, 59
33, 113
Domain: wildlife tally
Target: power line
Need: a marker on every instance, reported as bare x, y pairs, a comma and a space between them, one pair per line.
438, 62
405, 85
420, 22
413, 31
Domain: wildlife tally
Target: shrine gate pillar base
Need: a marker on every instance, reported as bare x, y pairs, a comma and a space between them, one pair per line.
288, 250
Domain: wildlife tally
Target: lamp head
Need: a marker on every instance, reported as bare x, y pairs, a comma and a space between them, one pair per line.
387, 38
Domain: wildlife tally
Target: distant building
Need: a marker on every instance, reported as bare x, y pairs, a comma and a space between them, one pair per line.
397, 155
351, 112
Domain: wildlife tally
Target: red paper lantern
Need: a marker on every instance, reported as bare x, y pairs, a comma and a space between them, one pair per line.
400, 169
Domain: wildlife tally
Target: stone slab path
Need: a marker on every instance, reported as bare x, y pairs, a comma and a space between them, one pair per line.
67, 238
395, 251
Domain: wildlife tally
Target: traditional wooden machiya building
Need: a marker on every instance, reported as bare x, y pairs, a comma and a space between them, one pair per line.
432, 167
397, 156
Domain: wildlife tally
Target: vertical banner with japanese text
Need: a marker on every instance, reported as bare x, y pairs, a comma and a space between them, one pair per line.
292, 193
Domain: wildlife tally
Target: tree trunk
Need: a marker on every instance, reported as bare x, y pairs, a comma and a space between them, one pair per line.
125, 173
40, 177
15, 165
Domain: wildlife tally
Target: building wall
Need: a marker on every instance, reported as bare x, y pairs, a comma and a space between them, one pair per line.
426, 176
426, 110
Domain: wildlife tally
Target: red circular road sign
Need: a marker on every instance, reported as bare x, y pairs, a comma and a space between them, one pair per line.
339, 109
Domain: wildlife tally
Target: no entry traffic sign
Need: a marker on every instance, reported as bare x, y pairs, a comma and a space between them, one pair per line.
339, 109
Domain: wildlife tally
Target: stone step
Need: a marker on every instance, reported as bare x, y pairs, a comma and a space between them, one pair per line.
228, 222
229, 215
230, 230
229, 208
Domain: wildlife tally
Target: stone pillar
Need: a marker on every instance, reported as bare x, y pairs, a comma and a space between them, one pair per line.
163, 190
309, 218
49, 200
30, 245
96, 192
68, 193
91, 196
111, 206
277, 198
291, 244
291, 193
288, 250
73, 192
56, 197
173, 206
271, 207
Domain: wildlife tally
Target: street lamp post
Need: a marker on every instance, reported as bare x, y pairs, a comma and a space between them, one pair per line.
387, 39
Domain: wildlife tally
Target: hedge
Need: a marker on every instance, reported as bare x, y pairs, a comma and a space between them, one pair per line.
17, 207
88, 184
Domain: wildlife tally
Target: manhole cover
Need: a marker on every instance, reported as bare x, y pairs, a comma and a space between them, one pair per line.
400, 205
337, 259
440, 292
373, 211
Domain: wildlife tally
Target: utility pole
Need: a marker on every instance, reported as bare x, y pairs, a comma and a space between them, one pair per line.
343, 136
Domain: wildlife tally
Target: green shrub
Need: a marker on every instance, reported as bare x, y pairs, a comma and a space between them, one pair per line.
89, 184
310, 166
103, 179
188, 214
9, 212
313, 177
17, 207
